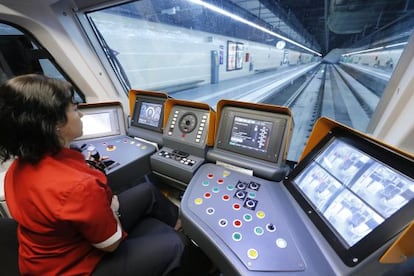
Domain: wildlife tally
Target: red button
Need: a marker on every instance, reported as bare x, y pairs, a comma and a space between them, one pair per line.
236, 206
237, 223
207, 195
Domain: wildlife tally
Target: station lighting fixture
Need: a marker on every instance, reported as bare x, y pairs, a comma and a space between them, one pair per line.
251, 24
375, 49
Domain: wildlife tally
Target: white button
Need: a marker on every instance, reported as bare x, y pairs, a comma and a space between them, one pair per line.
281, 243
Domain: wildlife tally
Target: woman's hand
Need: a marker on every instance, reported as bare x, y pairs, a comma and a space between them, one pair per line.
115, 203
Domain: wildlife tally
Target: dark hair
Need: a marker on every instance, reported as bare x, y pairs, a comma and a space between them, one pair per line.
31, 107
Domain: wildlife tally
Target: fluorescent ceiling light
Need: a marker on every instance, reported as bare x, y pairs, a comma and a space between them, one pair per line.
396, 44
364, 51
242, 20
375, 49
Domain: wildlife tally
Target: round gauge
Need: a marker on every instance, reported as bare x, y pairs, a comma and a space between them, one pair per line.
188, 122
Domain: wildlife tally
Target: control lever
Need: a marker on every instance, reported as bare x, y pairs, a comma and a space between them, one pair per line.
95, 160
94, 153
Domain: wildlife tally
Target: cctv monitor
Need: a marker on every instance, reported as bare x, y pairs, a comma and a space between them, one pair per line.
358, 193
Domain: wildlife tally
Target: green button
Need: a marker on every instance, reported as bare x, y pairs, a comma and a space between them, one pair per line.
258, 230
237, 236
248, 217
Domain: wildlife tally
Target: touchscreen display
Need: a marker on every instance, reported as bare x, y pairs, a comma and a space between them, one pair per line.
353, 192
150, 114
250, 134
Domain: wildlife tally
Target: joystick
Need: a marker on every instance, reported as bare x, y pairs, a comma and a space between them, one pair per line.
93, 153
94, 159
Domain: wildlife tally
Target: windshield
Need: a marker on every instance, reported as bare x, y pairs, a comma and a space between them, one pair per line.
21, 54
207, 51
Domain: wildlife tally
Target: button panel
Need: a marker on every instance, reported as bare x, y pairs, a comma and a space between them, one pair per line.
240, 211
178, 156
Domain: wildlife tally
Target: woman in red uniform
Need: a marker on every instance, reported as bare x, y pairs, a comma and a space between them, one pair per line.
68, 219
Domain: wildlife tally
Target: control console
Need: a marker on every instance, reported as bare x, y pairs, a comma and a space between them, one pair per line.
343, 210
122, 158
185, 138
106, 146
244, 221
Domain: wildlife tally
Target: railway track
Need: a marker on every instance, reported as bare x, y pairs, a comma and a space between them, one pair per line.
331, 92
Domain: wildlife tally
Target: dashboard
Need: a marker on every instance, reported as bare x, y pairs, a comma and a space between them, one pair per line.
241, 203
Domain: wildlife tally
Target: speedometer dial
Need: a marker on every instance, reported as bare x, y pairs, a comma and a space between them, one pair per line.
188, 122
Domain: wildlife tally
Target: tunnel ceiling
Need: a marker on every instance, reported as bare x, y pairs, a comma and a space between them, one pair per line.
336, 23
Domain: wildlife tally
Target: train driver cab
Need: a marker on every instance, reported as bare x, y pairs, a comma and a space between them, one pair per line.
282, 129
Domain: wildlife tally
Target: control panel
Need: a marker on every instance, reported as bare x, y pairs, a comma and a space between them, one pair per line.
188, 124
327, 217
147, 115
106, 146
238, 212
185, 139
254, 137
177, 155
122, 158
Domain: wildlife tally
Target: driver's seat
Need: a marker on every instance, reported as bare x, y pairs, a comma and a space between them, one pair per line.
8, 247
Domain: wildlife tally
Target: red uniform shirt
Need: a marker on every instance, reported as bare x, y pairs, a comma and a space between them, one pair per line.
63, 210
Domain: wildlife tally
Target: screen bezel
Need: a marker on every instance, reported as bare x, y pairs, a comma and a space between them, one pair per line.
139, 101
115, 128
384, 232
275, 151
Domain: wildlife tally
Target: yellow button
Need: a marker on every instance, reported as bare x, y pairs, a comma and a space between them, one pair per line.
226, 173
110, 147
260, 214
198, 201
252, 253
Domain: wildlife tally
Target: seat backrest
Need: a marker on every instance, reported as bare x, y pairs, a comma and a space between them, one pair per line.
4, 211
8, 247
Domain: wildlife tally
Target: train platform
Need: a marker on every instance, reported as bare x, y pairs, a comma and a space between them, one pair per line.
253, 88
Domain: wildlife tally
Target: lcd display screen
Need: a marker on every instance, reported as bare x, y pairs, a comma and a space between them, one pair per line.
96, 124
250, 134
253, 133
353, 192
150, 114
